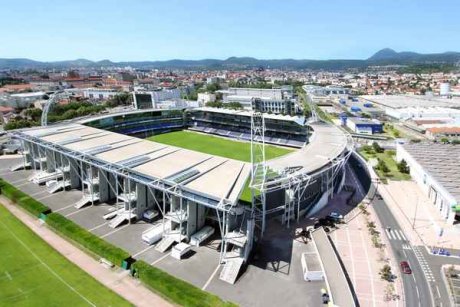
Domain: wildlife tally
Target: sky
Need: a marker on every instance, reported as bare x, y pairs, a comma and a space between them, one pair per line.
137, 30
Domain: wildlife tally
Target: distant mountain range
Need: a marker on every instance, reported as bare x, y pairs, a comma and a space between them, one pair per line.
385, 56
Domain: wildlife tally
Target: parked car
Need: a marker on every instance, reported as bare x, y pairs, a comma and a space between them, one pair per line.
405, 268
335, 216
324, 296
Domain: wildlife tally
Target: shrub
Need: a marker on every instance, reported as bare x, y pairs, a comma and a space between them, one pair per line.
86, 239
377, 148
403, 167
385, 273
22, 199
177, 290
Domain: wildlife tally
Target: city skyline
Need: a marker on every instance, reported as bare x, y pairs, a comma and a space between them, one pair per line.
138, 31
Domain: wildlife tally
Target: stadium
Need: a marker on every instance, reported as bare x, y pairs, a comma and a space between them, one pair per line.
185, 192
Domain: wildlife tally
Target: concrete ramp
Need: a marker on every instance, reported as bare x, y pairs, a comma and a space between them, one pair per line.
165, 244
340, 290
231, 269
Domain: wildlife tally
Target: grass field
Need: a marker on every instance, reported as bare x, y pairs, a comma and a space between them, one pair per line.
216, 145
32, 273
388, 158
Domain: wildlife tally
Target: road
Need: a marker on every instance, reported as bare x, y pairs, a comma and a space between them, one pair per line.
416, 287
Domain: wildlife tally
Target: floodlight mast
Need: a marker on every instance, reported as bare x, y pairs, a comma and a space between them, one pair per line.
258, 169
46, 108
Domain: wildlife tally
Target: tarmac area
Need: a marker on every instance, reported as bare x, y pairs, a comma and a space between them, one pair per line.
273, 278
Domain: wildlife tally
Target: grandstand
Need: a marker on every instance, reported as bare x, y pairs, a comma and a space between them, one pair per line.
280, 130
188, 190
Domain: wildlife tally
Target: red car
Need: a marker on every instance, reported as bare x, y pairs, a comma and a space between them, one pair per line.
405, 268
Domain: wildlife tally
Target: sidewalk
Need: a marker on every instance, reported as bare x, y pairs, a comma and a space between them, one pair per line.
412, 203
119, 282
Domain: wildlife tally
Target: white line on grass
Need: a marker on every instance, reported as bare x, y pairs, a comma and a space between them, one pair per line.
8, 275
46, 265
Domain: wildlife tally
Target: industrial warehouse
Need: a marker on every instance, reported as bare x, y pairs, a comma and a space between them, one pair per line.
180, 198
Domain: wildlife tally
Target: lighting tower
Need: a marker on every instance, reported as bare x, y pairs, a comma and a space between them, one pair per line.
258, 169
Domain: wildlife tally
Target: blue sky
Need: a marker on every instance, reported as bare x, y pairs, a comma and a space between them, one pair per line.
160, 30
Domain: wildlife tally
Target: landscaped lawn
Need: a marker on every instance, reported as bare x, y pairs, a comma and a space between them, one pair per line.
388, 157
32, 273
216, 145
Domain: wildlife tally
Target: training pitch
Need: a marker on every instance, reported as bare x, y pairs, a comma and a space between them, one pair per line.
32, 273
216, 145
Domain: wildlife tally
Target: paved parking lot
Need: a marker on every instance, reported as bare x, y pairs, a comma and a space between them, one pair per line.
274, 278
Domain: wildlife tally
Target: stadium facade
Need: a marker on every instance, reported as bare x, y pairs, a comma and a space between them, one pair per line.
191, 194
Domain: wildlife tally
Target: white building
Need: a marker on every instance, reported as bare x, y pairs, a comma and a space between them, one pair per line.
204, 98
275, 101
150, 99
436, 169
423, 112
21, 101
99, 93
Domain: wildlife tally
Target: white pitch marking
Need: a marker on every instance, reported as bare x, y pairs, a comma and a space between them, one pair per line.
8, 275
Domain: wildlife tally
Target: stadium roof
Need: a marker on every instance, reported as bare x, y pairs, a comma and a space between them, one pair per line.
298, 119
199, 173
441, 161
326, 144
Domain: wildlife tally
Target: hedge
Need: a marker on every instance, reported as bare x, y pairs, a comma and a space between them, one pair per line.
86, 239
178, 291
22, 199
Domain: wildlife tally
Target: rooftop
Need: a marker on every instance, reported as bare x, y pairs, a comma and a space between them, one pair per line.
404, 101
202, 174
441, 161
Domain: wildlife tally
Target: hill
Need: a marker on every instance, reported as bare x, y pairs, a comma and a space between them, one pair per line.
385, 56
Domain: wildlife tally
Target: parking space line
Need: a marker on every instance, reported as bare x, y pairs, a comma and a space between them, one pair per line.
159, 259
211, 277
24, 182
38, 193
144, 250
63, 208
47, 196
114, 231
98, 226
79, 210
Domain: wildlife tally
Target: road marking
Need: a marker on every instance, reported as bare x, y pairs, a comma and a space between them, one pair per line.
114, 231
397, 234
211, 277
402, 235
389, 234
79, 210
63, 208
98, 226
370, 269
144, 250
159, 259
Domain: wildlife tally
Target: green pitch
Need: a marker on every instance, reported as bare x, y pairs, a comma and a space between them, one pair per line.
216, 145
34, 274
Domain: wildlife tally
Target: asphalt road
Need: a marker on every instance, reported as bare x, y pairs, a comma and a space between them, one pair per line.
416, 287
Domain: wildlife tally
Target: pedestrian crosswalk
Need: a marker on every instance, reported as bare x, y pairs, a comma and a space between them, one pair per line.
406, 247
395, 234
424, 264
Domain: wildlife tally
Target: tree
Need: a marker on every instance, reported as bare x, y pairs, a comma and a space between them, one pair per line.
403, 167
444, 140
382, 166
377, 147
214, 104
120, 100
